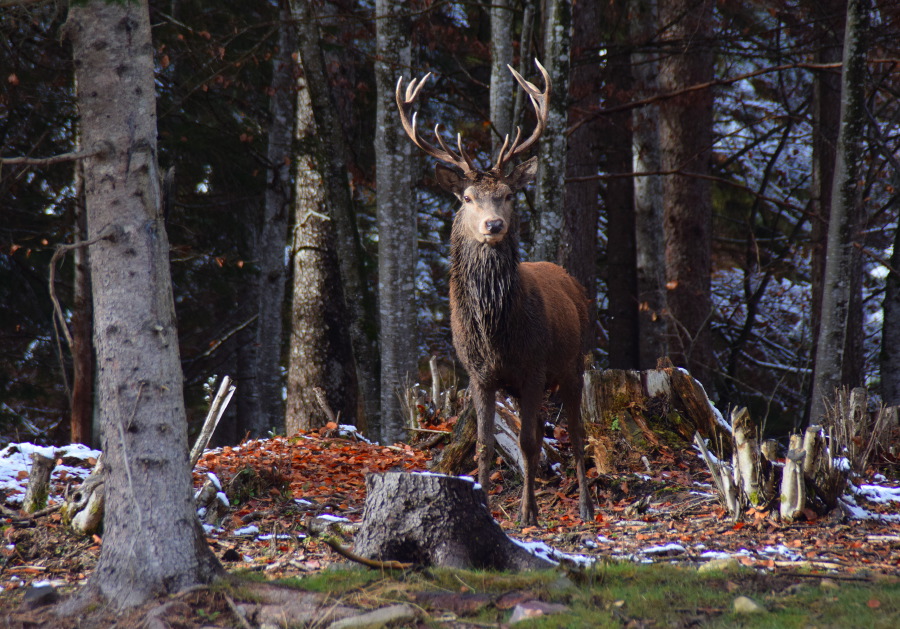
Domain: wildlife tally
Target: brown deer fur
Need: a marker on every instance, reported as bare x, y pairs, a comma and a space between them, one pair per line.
517, 326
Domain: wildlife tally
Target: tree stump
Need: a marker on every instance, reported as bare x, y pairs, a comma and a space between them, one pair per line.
436, 520
38, 482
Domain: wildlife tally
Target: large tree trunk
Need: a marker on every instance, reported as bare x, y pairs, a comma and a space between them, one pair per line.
397, 229
321, 355
353, 262
549, 198
435, 520
650, 259
686, 142
622, 324
578, 250
890, 332
841, 263
273, 233
146, 552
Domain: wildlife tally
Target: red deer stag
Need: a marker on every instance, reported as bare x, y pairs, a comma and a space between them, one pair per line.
517, 326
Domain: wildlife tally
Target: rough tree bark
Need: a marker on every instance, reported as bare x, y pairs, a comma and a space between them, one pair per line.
397, 230
650, 259
841, 259
146, 552
622, 325
829, 17
353, 260
82, 351
435, 520
890, 333
578, 251
272, 236
550, 189
686, 143
321, 355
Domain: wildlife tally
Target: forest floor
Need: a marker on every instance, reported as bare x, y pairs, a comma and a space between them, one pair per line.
656, 508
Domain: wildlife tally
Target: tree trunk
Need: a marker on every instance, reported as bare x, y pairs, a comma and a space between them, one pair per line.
273, 233
650, 259
321, 355
841, 260
146, 552
578, 250
829, 22
435, 520
339, 201
685, 143
622, 324
82, 349
397, 230
549, 198
890, 332
501, 78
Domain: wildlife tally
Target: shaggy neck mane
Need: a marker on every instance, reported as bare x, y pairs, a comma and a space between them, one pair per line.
486, 280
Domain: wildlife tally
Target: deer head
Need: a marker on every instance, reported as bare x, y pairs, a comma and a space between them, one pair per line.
487, 196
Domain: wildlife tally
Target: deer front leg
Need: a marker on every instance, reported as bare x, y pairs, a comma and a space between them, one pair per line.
484, 399
530, 438
572, 408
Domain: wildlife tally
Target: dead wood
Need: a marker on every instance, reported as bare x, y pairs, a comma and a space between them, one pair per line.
38, 489
435, 520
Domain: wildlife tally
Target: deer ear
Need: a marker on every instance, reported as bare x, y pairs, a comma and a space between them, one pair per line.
449, 179
523, 174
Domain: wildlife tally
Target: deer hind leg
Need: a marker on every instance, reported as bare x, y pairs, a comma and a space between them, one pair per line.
571, 398
484, 399
530, 438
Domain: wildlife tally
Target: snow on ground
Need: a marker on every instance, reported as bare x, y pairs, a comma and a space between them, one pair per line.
15, 462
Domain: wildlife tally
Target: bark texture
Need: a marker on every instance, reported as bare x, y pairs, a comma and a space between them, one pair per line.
650, 261
622, 324
146, 552
890, 333
397, 231
434, 520
501, 78
841, 264
339, 202
551, 182
82, 349
273, 232
321, 354
686, 142
578, 250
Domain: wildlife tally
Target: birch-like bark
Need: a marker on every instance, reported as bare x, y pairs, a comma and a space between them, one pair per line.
650, 258
843, 222
272, 240
397, 231
551, 181
146, 552
501, 79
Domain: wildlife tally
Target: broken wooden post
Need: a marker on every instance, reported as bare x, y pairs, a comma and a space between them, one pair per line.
746, 456
38, 489
793, 486
436, 520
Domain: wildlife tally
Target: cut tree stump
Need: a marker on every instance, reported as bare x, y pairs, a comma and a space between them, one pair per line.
38, 488
436, 520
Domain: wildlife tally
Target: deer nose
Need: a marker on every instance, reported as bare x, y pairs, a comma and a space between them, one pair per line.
495, 226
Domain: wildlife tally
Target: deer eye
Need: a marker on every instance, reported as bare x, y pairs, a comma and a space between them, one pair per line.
467, 199
510, 197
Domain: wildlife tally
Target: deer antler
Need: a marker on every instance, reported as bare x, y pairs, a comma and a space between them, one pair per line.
541, 103
405, 103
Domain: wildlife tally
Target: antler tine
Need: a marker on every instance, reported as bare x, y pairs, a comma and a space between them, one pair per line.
405, 103
540, 100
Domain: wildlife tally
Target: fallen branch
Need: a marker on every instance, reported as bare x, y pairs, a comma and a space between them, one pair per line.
371, 563
216, 410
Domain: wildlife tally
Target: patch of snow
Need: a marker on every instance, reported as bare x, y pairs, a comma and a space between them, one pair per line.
16, 459
664, 549
348, 430
215, 480
783, 551
879, 494
540, 549
247, 530
223, 498
332, 518
268, 536
302, 501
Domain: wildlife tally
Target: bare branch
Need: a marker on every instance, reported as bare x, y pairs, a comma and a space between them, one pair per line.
47, 161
